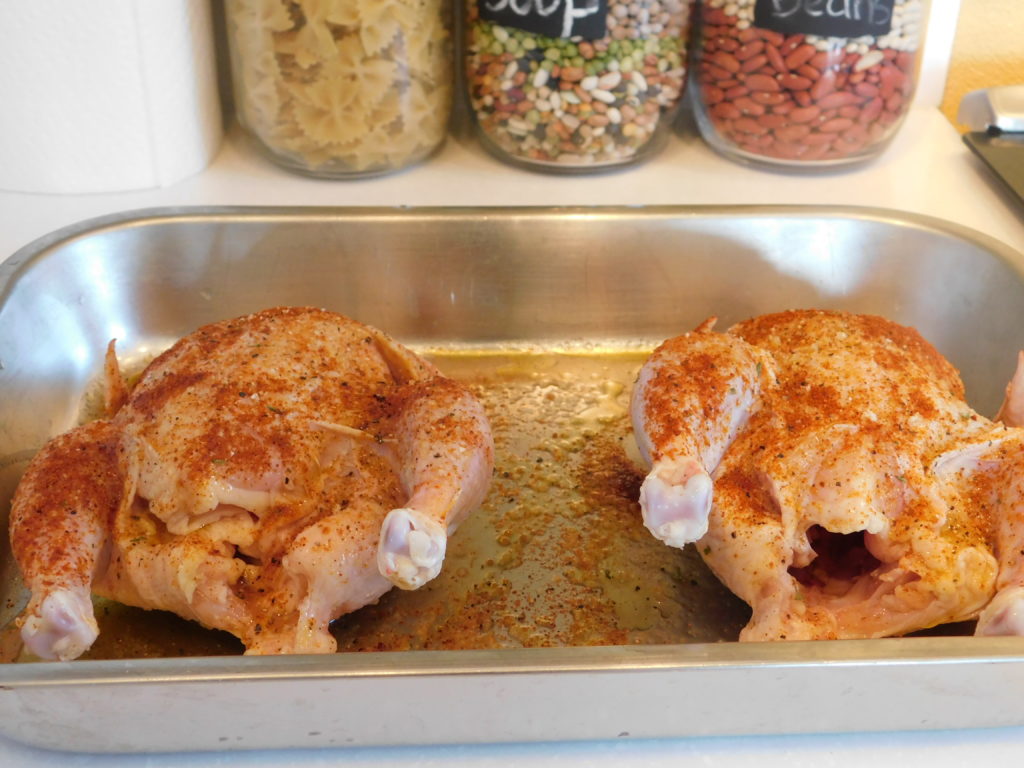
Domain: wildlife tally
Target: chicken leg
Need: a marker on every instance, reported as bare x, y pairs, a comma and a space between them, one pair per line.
691, 398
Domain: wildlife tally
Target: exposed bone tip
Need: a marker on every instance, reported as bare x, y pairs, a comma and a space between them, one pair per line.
411, 549
62, 629
676, 512
1004, 616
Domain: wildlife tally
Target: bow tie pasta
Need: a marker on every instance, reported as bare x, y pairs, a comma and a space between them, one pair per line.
343, 87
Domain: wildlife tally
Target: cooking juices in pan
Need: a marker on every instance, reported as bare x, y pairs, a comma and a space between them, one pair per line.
805, 84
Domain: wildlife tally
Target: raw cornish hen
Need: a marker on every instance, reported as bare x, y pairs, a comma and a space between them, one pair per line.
833, 477
264, 476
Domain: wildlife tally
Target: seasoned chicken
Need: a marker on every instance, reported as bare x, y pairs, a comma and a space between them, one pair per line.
833, 477
264, 476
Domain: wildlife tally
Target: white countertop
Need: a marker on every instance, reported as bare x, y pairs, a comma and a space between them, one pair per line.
927, 170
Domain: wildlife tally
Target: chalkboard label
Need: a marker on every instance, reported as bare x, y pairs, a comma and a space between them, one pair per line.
826, 18
553, 18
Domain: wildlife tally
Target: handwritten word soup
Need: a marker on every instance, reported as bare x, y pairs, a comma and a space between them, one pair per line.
586, 19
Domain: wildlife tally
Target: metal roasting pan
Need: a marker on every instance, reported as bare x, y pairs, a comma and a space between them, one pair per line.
493, 277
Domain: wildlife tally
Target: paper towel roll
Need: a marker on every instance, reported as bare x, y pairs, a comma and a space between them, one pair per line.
105, 95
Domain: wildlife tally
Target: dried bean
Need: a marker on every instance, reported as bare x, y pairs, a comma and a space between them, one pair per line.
767, 98
870, 111
838, 99
793, 82
768, 35
749, 107
749, 50
773, 120
762, 83
716, 72
792, 132
825, 85
835, 125
754, 63
778, 64
749, 125
805, 114
726, 111
790, 44
726, 61
800, 56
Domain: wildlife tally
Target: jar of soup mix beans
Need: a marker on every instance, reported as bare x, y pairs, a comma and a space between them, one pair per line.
805, 83
575, 85
342, 88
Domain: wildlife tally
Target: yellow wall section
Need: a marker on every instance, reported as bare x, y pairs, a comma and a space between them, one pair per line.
988, 51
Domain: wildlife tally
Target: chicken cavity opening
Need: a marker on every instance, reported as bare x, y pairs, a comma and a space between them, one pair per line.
842, 561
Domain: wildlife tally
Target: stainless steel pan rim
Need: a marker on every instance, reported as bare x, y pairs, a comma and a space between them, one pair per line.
925, 651
166, 214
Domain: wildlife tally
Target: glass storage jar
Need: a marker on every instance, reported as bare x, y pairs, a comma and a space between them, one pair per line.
342, 88
805, 83
575, 85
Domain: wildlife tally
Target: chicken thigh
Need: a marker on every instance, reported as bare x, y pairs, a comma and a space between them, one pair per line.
833, 477
264, 476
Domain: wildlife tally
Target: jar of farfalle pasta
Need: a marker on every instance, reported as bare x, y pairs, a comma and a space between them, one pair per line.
342, 88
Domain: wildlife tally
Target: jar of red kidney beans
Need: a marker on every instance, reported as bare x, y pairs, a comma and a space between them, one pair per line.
805, 83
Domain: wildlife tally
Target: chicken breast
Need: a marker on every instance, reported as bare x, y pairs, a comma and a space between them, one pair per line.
265, 475
847, 489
